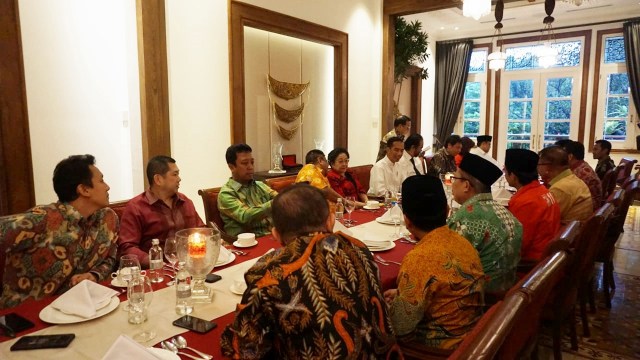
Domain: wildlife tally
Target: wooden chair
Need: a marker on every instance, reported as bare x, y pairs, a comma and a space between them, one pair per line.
118, 207
211, 212
278, 184
563, 240
627, 166
363, 173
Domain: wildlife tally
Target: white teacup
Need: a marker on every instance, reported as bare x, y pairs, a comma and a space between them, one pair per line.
123, 275
373, 204
246, 239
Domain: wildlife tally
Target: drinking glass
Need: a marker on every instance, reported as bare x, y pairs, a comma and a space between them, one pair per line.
396, 217
388, 198
140, 295
128, 265
349, 206
171, 254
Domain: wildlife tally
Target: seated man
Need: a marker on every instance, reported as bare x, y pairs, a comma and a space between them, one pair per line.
401, 129
484, 145
532, 204
385, 174
583, 170
571, 193
315, 174
51, 248
318, 296
244, 204
443, 160
412, 161
601, 150
157, 213
439, 294
489, 226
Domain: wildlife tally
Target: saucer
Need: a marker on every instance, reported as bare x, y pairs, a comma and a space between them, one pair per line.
367, 207
116, 283
237, 244
235, 291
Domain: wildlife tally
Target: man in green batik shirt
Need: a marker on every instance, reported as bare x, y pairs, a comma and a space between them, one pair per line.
244, 204
489, 226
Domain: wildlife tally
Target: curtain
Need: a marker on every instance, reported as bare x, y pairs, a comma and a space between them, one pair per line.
452, 68
631, 32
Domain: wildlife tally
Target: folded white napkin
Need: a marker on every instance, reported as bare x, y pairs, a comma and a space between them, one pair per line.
126, 348
338, 226
84, 299
224, 255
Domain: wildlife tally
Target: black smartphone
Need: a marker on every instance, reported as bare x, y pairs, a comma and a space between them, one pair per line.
195, 324
211, 278
13, 323
43, 342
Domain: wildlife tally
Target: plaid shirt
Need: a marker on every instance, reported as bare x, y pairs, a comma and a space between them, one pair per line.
246, 208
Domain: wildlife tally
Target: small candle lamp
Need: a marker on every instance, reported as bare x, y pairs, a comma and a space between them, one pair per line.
199, 248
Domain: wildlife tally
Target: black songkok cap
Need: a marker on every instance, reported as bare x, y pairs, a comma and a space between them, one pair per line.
423, 197
521, 160
480, 169
483, 138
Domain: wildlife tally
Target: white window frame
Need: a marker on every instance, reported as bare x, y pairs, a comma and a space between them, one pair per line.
482, 79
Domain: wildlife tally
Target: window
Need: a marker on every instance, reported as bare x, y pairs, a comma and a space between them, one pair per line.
524, 57
472, 116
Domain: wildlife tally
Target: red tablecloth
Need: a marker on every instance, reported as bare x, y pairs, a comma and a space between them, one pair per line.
210, 342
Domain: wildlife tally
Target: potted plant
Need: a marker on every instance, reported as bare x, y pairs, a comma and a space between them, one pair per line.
410, 47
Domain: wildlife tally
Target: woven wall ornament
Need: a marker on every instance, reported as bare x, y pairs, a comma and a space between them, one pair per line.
286, 90
287, 116
288, 133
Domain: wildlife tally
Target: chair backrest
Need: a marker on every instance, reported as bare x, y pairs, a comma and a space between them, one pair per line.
608, 183
279, 183
118, 207
363, 173
565, 239
590, 240
627, 165
211, 211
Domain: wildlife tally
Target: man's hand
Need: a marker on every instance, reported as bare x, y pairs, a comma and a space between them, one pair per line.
390, 294
75, 279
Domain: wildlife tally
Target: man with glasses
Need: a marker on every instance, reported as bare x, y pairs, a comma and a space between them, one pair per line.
571, 193
489, 226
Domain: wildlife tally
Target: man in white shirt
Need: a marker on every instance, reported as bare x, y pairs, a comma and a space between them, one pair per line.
385, 174
484, 145
412, 161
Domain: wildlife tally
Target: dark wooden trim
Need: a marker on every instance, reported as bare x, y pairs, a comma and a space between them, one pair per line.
496, 115
625, 151
242, 15
406, 7
16, 172
596, 83
416, 102
585, 83
154, 88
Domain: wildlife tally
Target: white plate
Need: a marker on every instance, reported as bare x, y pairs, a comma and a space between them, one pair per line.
116, 283
235, 291
384, 248
53, 316
367, 207
230, 257
163, 354
237, 244
386, 221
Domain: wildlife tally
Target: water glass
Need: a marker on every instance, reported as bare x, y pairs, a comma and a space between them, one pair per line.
171, 254
349, 206
139, 296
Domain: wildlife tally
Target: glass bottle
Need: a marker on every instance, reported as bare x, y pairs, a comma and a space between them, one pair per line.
184, 303
339, 209
155, 262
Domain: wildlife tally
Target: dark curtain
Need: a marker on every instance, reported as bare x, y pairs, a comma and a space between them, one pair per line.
631, 31
452, 68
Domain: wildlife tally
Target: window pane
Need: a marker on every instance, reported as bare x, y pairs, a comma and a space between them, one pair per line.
554, 131
518, 145
568, 53
520, 58
614, 49
558, 109
560, 87
521, 89
471, 110
471, 128
615, 130
472, 90
519, 130
520, 110
618, 83
617, 107
478, 61
525, 57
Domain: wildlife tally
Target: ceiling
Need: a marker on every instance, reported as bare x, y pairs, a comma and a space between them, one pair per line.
524, 16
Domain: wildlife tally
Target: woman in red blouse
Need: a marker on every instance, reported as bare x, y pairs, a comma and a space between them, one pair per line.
342, 180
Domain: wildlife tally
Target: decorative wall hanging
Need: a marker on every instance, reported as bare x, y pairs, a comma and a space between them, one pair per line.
286, 91
288, 115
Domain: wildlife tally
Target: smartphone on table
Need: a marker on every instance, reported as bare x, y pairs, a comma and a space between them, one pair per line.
12, 323
195, 324
43, 342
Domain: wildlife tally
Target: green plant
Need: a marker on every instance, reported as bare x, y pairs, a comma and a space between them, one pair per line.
410, 47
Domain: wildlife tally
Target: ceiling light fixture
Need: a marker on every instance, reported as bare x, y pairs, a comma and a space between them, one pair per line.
497, 59
548, 55
476, 8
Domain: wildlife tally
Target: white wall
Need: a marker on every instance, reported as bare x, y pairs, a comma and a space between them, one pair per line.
80, 62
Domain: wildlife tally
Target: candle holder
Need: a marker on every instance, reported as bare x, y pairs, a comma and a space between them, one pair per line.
199, 248
276, 155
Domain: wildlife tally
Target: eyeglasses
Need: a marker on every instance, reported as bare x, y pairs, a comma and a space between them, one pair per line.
458, 178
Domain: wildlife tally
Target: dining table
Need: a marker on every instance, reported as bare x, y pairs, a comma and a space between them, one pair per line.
95, 336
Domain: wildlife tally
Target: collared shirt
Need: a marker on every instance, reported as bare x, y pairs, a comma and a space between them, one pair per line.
583, 170
573, 196
439, 296
485, 155
318, 297
495, 233
409, 165
49, 244
539, 213
347, 185
442, 163
146, 218
313, 175
246, 208
382, 151
604, 165
385, 176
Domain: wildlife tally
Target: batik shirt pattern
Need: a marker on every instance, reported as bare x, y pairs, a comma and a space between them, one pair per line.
246, 208
584, 171
312, 175
317, 298
442, 163
495, 233
439, 296
49, 244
